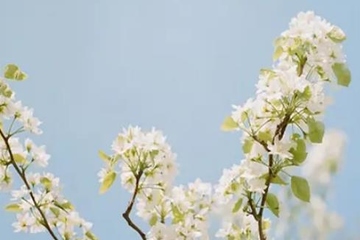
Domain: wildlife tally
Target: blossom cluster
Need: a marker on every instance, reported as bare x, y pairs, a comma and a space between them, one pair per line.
145, 162
38, 202
314, 43
189, 210
147, 168
290, 96
235, 183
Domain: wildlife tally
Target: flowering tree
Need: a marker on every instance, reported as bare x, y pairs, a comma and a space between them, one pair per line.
277, 125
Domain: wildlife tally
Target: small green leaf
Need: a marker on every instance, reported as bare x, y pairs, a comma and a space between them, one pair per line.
154, 153
278, 180
247, 146
13, 207
268, 72
67, 205
264, 136
153, 220
316, 130
18, 158
237, 205
342, 74
306, 94
229, 124
277, 53
55, 211
46, 182
104, 156
13, 72
301, 65
108, 181
275, 179
273, 204
5, 90
336, 35
322, 73
300, 188
178, 216
90, 236
279, 41
299, 153
234, 186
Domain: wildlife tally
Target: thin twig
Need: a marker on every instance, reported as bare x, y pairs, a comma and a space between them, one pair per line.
252, 207
263, 200
279, 133
126, 214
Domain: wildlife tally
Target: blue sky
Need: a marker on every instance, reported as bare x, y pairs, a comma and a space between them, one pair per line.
97, 66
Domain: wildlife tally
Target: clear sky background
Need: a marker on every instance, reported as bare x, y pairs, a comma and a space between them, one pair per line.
96, 66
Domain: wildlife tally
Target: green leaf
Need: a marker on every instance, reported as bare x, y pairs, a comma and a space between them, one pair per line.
342, 74
306, 94
67, 205
248, 143
13, 72
108, 181
237, 205
104, 156
279, 43
13, 207
154, 153
278, 180
336, 35
268, 72
178, 216
300, 188
46, 182
153, 220
264, 136
229, 124
273, 204
316, 130
322, 73
275, 179
277, 53
90, 235
299, 153
5, 90
234, 186
301, 65
8, 93
18, 158
55, 211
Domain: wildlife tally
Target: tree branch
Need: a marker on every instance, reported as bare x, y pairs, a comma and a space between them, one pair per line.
126, 214
22, 175
279, 133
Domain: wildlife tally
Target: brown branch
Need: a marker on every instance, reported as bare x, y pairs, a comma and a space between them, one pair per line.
126, 214
22, 175
279, 133
252, 207
263, 200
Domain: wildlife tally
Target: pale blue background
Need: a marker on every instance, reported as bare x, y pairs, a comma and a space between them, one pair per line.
96, 66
